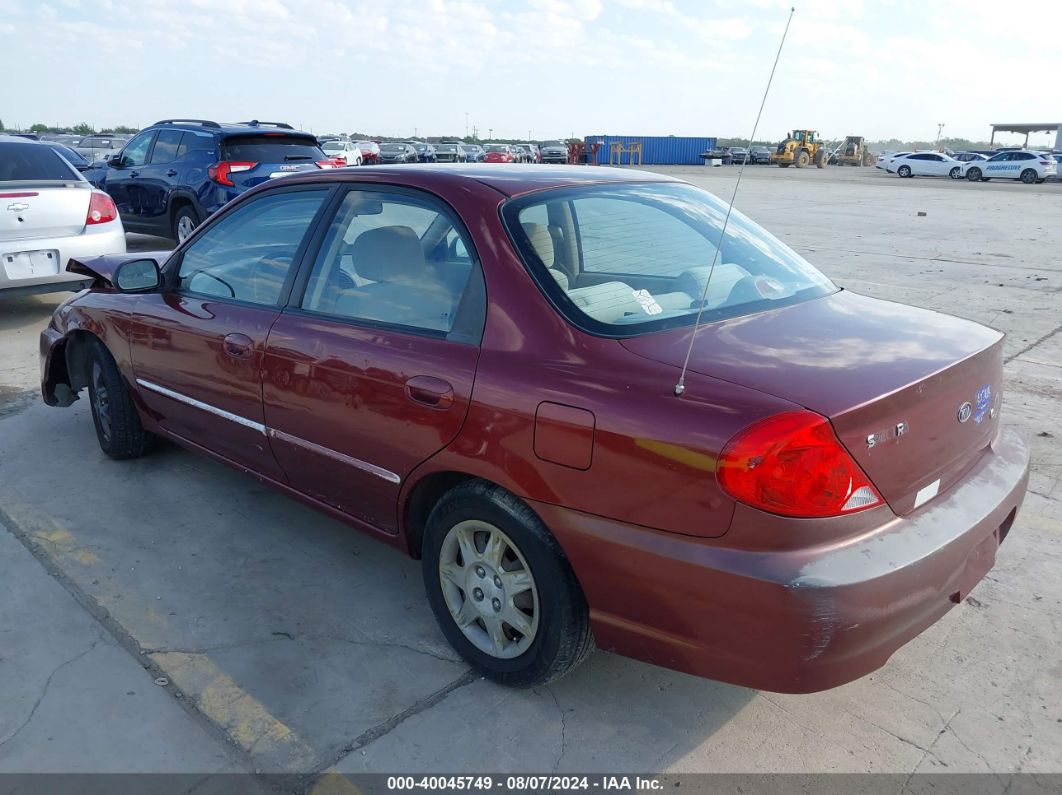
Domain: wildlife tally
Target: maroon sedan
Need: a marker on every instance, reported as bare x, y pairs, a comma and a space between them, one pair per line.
479, 366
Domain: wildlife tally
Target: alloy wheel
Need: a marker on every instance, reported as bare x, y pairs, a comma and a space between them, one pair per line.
489, 589
185, 227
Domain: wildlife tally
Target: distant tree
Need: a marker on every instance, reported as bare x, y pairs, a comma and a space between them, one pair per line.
84, 128
39, 128
121, 129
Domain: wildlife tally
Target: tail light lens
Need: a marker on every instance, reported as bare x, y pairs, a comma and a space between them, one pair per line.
221, 173
101, 209
332, 162
793, 464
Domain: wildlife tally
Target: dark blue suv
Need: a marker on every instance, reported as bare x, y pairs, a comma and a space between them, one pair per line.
176, 172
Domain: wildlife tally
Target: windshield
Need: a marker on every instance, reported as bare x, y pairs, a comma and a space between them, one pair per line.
643, 253
446, 148
392, 147
497, 148
333, 146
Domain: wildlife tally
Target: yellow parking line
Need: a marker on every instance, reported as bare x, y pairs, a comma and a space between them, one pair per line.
333, 784
243, 717
239, 714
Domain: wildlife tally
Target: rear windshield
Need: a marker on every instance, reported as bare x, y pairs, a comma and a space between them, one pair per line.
333, 146
497, 147
72, 157
446, 148
642, 255
270, 149
33, 163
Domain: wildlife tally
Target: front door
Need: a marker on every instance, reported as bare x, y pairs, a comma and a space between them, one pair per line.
197, 345
369, 370
155, 182
123, 178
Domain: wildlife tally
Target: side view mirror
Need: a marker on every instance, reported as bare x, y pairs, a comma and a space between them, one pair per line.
138, 276
115, 160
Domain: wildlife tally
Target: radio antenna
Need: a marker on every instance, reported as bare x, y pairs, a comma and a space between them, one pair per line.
680, 387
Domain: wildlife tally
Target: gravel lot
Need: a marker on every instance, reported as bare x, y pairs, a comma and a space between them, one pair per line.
286, 642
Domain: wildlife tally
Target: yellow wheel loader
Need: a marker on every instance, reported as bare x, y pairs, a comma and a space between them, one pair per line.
801, 148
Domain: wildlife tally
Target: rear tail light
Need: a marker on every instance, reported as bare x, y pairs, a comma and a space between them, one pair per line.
221, 172
332, 162
793, 464
101, 209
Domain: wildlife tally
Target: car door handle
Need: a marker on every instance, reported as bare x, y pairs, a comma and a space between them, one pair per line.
171, 173
430, 391
134, 173
238, 346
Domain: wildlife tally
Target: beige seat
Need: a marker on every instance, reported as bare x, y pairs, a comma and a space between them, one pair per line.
542, 242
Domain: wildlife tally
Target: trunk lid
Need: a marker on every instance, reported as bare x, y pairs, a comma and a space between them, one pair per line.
39, 210
913, 395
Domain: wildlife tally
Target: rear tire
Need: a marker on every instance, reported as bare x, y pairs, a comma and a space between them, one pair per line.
1028, 176
955, 173
184, 223
528, 579
118, 428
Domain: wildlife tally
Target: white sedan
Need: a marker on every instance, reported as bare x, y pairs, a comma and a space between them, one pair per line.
347, 151
49, 214
888, 157
926, 164
1029, 167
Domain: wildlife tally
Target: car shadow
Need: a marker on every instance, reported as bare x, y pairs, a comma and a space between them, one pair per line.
218, 578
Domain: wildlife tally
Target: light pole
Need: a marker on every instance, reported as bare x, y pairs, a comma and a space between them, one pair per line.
490, 133
466, 124
940, 129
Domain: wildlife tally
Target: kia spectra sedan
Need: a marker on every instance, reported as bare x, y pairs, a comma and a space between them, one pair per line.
483, 366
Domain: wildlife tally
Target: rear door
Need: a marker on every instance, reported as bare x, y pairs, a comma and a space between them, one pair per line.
369, 370
258, 157
198, 344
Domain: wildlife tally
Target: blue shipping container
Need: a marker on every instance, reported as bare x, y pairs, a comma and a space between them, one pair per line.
657, 150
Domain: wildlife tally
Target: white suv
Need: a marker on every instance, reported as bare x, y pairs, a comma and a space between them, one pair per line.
1029, 167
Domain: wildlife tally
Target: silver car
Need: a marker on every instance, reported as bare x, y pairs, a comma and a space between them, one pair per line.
100, 147
49, 214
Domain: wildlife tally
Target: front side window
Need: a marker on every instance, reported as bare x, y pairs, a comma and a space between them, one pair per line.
397, 259
136, 152
623, 260
248, 254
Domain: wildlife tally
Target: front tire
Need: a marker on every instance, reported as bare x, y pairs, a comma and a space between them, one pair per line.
118, 428
802, 159
904, 171
973, 174
501, 588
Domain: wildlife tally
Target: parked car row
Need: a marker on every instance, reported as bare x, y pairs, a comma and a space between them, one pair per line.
1030, 167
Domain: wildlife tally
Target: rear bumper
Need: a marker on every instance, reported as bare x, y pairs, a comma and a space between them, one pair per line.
90, 244
794, 621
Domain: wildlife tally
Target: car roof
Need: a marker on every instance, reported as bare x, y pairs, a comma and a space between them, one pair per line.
230, 128
509, 180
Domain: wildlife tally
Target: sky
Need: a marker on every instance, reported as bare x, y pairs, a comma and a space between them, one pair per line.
537, 68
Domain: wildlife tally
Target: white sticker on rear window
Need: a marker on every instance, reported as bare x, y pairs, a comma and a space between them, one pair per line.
927, 493
648, 303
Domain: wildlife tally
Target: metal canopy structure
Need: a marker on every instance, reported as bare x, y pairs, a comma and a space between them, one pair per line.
1055, 127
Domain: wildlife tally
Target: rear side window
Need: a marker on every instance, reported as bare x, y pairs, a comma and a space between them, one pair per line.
33, 162
165, 150
247, 255
194, 144
270, 149
400, 260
